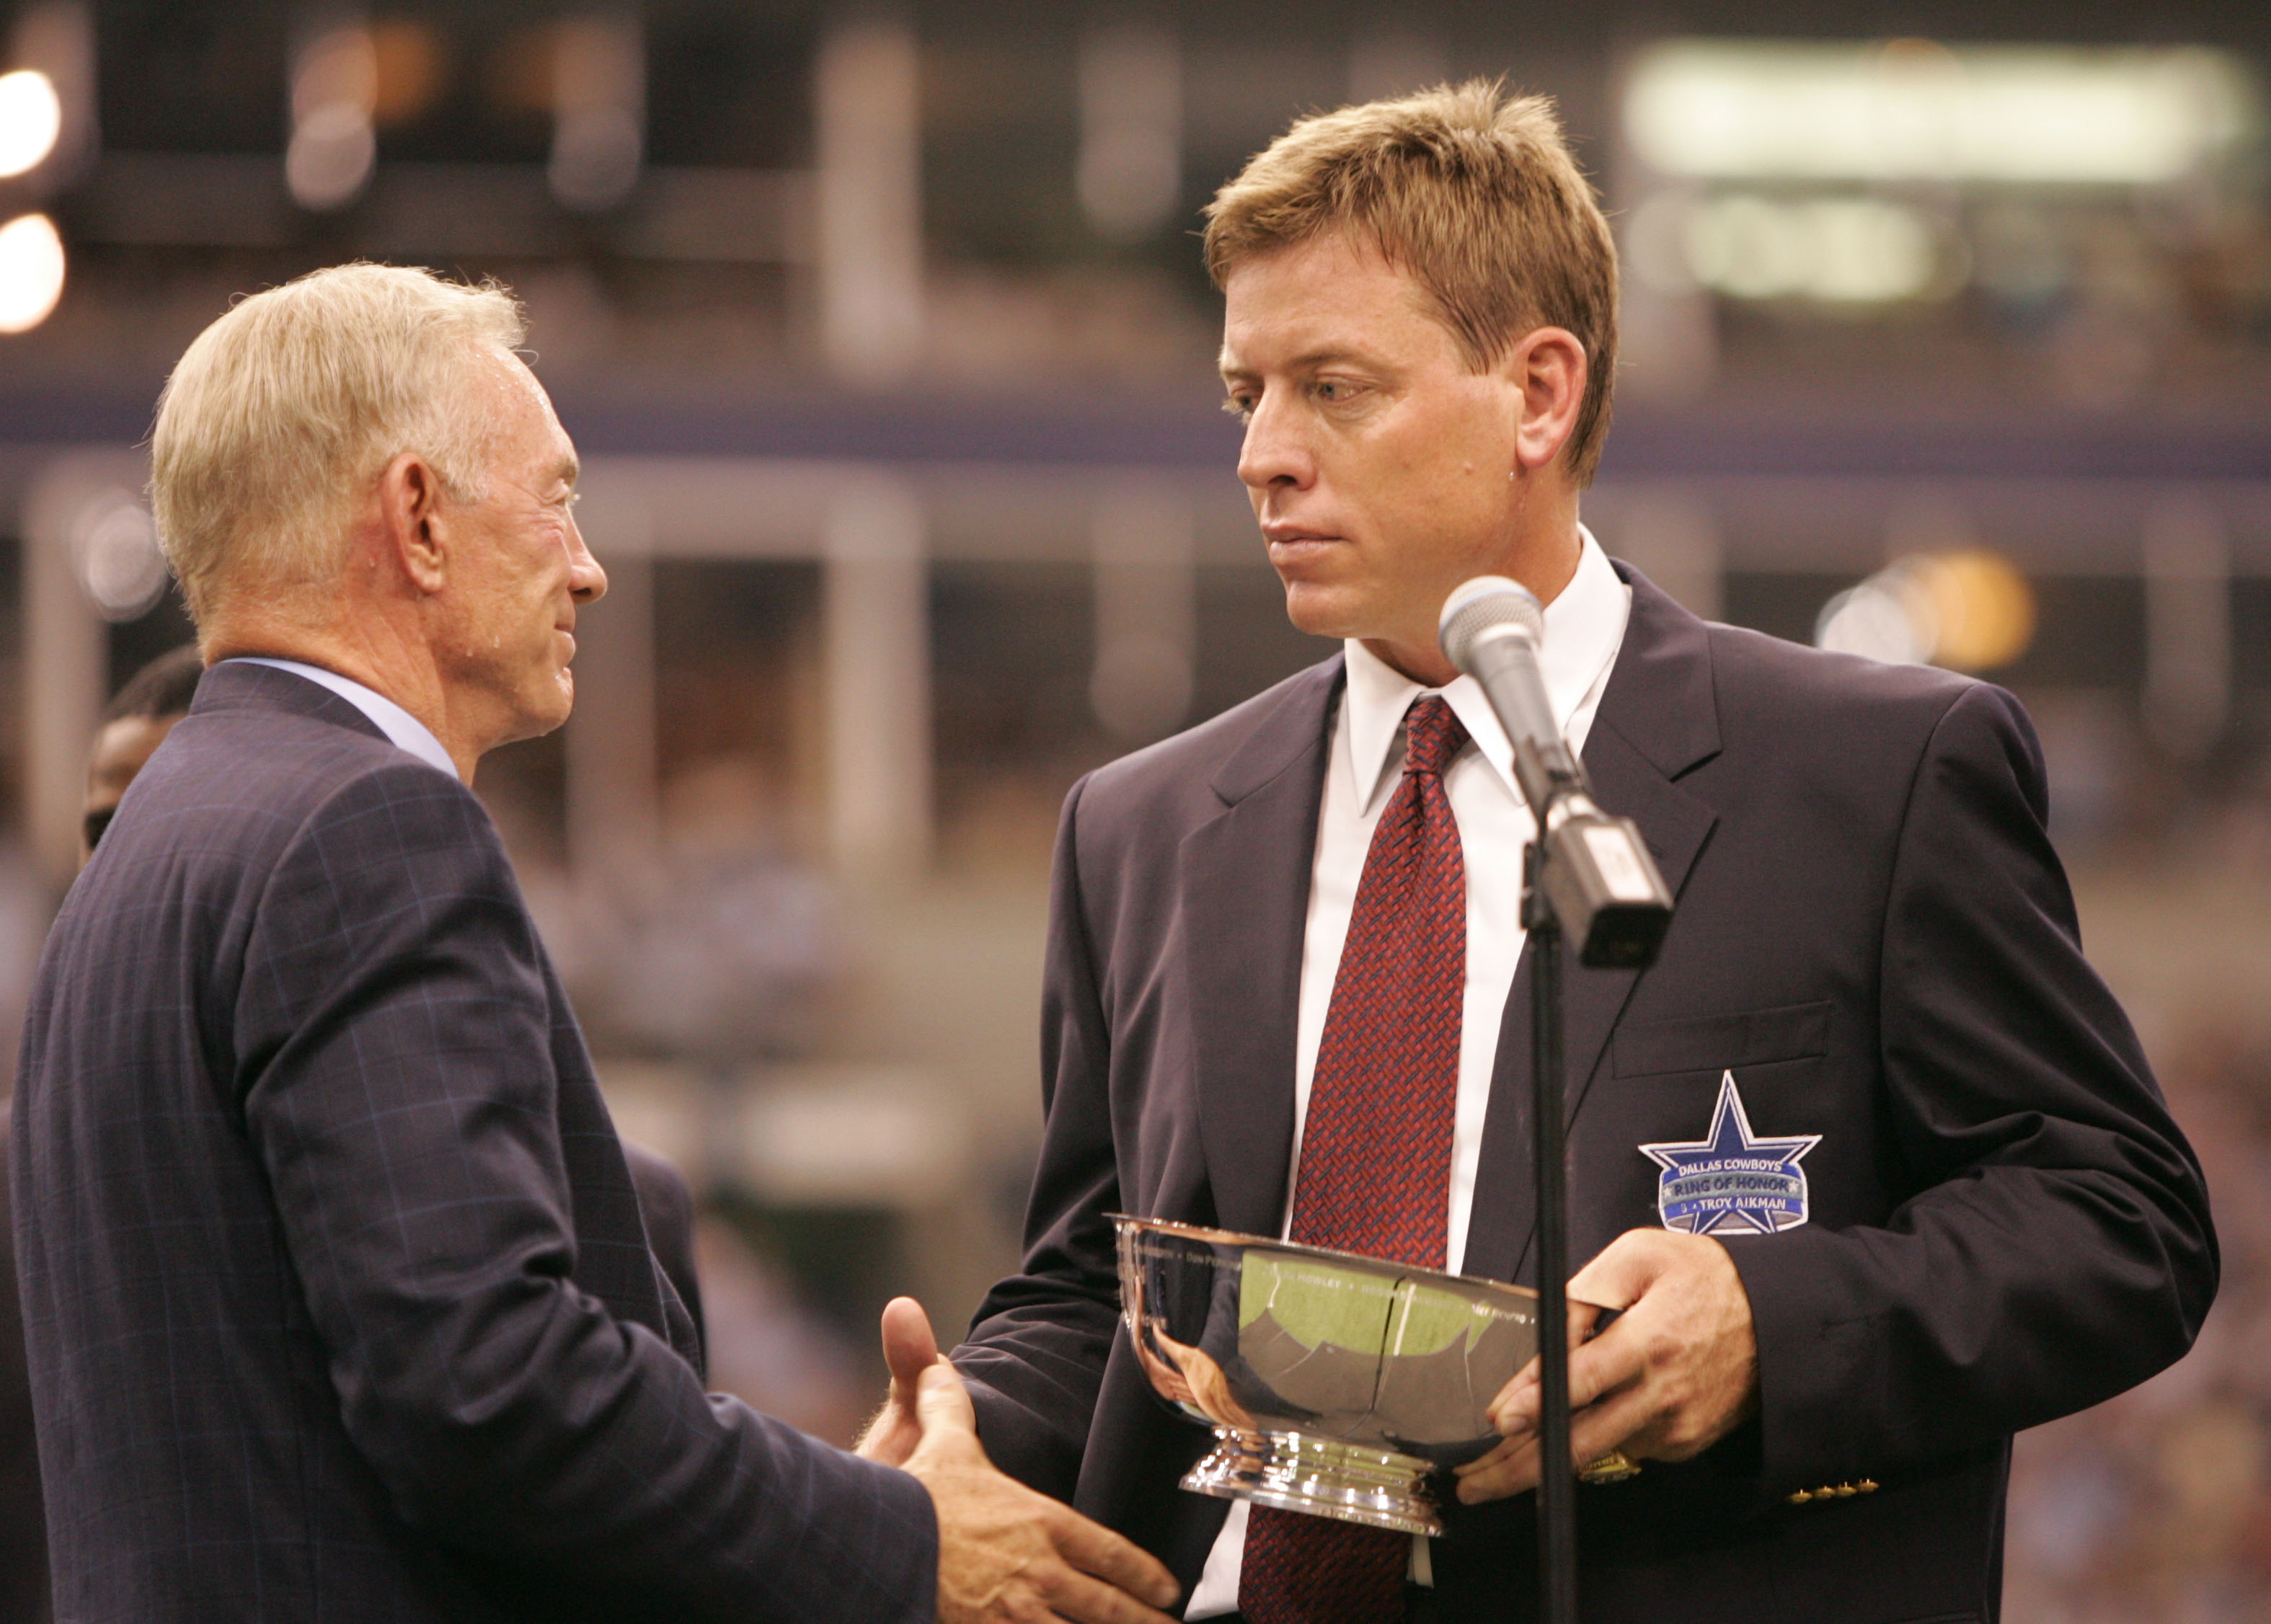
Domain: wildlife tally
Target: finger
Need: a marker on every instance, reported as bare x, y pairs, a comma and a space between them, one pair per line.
1605, 1364
1622, 1421
1622, 1271
909, 1347
1500, 1452
942, 1403
1515, 1413
1516, 1400
1514, 1409
1513, 1466
1608, 1362
1597, 1369
1510, 1469
1073, 1595
1095, 1549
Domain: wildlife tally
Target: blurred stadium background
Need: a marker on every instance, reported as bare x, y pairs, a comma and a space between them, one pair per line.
883, 334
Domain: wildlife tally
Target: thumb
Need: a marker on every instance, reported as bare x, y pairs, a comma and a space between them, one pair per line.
943, 1404
909, 1347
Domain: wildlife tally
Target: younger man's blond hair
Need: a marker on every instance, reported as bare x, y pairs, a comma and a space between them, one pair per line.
1472, 192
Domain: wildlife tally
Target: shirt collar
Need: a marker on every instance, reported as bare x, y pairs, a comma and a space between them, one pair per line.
403, 730
1583, 625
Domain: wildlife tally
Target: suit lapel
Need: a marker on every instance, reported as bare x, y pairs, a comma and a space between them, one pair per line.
1659, 719
1244, 883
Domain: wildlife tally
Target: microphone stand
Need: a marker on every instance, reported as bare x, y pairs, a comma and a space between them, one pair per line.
1557, 1480
1589, 875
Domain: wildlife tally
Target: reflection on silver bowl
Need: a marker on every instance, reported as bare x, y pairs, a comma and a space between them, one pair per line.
1336, 1385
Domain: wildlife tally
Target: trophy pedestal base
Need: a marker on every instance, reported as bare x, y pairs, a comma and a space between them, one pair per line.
1300, 1471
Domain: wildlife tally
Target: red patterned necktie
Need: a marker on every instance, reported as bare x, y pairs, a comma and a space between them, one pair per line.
1375, 1174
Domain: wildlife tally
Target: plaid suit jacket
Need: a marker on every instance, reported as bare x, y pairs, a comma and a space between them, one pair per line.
337, 1298
23, 1520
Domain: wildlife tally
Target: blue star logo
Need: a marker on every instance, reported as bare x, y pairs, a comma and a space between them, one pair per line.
1731, 1181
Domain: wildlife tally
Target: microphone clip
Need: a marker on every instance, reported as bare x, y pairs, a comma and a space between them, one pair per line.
1591, 870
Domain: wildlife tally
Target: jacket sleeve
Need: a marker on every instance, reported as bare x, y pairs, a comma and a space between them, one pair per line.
1035, 1356
396, 1077
2058, 1248
666, 1206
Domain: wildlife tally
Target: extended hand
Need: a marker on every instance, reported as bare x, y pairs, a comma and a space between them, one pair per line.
1677, 1372
1008, 1553
909, 1348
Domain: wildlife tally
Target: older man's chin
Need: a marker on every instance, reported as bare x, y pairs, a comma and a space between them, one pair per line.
537, 717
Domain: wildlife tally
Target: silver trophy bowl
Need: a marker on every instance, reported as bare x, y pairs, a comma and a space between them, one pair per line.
1339, 1385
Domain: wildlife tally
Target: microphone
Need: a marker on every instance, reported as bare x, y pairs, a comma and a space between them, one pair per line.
1593, 869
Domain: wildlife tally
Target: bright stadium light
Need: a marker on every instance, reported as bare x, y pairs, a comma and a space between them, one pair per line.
1837, 251
115, 546
334, 146
1966, 608
599, 98
1911, 111
31, 119
31, 272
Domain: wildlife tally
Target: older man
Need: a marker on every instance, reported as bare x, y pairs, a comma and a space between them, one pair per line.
337, 1300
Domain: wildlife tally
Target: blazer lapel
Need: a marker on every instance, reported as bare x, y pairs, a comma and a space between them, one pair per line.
1244, 884
1658, 719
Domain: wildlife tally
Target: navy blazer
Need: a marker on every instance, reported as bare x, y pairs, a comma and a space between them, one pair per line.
23, 1520
337, 1296
1874, 935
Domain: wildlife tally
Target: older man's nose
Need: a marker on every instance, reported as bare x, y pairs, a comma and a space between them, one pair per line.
587, 581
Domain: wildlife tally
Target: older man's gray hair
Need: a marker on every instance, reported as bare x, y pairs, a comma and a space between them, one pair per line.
280, 415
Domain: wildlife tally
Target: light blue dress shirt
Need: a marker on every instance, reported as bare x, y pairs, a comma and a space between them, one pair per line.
404, 730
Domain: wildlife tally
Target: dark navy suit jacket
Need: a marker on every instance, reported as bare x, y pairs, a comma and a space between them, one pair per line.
1872, 933
23, 1520
337, 1296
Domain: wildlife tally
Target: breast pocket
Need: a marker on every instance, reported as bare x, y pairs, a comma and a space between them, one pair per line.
1716, 1043
1726, 1108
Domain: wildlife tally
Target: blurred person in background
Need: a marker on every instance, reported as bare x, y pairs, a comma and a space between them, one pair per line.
1284, 944
135, 724
336, 1295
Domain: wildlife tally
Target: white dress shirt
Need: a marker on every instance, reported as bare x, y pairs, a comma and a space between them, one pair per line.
405, 730
1584, 627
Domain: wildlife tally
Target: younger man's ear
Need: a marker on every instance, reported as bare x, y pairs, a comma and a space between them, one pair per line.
1548, 368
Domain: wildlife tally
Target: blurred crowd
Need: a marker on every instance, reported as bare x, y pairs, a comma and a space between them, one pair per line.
2158, 1505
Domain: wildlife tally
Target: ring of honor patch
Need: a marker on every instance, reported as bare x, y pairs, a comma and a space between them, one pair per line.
1731, 1181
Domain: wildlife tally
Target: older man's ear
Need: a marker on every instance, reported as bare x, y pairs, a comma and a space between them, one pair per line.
413, 526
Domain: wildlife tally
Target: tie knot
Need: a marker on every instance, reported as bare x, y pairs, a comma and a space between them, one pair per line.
1432, 734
